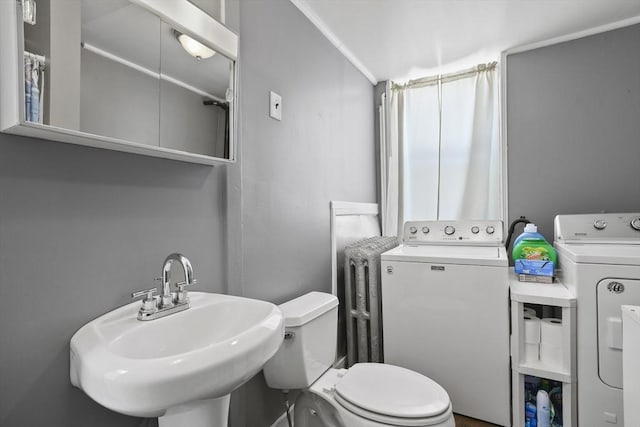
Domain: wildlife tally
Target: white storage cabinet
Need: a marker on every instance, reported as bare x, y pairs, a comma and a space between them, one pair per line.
545, 295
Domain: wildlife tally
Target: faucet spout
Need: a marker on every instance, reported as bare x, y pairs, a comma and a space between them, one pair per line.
166, 275
169, 302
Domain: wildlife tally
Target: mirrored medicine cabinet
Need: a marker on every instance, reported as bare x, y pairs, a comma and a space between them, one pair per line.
151, 77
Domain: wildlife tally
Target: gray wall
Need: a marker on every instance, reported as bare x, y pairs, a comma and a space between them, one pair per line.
80, 228
573, 126
322, 150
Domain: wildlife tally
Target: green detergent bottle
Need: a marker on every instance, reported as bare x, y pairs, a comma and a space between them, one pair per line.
532, 254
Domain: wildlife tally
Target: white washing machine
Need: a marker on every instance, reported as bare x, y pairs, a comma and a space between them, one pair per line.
445, 312
599, 261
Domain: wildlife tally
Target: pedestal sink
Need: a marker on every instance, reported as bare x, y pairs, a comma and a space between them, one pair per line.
180, 368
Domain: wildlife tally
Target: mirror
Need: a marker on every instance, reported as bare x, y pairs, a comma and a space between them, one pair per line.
119, 71
125, 72
193, 98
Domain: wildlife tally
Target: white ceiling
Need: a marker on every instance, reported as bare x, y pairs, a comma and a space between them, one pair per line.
405, 39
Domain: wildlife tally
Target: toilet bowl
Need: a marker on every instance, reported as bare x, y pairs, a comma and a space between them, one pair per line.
365, 395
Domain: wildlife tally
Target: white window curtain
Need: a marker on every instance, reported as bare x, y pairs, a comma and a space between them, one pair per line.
441, 148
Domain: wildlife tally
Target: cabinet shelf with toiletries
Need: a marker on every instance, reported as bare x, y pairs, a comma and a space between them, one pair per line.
543, 345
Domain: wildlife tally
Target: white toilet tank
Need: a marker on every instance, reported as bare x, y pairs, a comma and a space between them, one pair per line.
309, 348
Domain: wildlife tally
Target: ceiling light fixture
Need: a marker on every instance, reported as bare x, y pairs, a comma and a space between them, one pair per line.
193, 47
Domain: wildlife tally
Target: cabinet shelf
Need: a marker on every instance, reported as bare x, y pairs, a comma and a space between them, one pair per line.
539, 369
554, 294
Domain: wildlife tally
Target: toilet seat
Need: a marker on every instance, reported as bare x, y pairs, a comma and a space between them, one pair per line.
392, 395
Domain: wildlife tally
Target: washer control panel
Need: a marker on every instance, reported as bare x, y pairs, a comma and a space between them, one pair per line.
463, 232
598, 228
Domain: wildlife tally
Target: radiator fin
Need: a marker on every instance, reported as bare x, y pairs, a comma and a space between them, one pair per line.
363, 300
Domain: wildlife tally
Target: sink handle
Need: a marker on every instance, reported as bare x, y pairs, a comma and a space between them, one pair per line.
148, 293
149, 303
181, 285
182, 294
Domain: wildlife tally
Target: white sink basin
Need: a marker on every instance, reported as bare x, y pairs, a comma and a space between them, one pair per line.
146, 368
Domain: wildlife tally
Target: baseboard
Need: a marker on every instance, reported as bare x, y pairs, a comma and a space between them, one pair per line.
282, 420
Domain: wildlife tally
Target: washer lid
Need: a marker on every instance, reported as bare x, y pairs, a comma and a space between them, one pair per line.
464, 255
393, 391
600, 253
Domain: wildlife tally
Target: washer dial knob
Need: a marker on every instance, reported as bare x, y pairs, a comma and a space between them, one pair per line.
475, 229
413, 230
491, 229
425, 230
635, 223
600, 224
449, 230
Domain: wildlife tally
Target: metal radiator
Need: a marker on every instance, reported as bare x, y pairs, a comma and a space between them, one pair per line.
363, 301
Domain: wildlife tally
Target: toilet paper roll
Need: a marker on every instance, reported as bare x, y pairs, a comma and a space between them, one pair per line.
551, 355
530, 311
551, 331
531, 352
531, 329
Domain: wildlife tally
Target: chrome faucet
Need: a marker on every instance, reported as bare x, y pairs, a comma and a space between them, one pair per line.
154, 307
169, 298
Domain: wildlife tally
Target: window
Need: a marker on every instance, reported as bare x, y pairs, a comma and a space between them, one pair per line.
441, 150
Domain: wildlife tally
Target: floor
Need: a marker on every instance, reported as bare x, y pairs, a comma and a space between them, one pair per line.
462, 421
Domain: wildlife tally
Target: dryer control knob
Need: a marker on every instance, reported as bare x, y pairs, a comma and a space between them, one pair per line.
413, 230
600, 224
475, 229
449, 230
635, 223
425, 230
491, 229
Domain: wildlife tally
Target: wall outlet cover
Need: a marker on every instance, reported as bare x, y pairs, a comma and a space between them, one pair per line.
275, 106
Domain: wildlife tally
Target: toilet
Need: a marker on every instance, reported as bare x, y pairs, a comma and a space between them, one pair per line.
365, 395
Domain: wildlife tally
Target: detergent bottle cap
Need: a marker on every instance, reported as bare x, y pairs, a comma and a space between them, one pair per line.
530, 228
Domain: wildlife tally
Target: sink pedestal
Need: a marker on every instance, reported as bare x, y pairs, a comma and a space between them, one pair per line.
201, 413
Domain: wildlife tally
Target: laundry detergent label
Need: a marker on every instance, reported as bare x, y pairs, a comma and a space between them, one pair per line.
534, 267
539, 253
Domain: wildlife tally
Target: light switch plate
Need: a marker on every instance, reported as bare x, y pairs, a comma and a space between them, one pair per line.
275, 106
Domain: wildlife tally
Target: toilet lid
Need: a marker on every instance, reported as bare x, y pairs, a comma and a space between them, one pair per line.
392, 391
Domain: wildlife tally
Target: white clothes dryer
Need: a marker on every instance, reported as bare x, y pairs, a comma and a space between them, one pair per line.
631, 364
599, 261
445, 312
